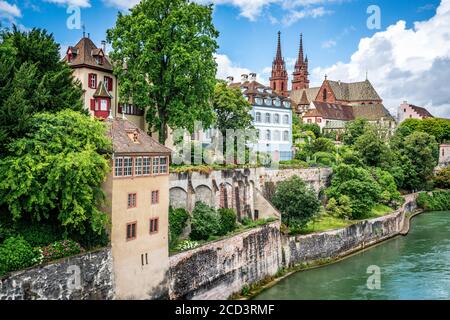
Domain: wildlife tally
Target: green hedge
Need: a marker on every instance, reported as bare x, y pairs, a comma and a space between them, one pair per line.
16, 253
177, 222
435, 201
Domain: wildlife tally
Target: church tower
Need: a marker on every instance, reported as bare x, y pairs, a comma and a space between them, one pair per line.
300, 80
279, 79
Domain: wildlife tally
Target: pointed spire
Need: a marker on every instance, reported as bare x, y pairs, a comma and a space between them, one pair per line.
279, 56
300, 51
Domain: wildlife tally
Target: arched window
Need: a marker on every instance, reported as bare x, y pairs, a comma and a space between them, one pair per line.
286, 136
258, 117
286, 119
267, 117
276, 118
276, 135
324, 94
268, 135
274, 86
282, 86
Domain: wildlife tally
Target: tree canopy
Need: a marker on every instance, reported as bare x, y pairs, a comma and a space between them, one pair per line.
163, 52
32, 79
55, 173
437, 127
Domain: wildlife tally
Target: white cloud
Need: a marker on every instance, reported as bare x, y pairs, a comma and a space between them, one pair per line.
9, 11
77, 3
328, 44
226, 68
404, 64
121, 4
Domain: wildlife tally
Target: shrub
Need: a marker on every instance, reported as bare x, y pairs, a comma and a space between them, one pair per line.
177, 222
205, 222
91, 239
297, 203
16, 253
340, 209
442, 178
436, 201
61, 249
227, 220
187, 245
38, 235
246, 221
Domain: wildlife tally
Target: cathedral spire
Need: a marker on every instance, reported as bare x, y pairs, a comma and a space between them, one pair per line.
300, 80
279, 78
279, 56
300, 51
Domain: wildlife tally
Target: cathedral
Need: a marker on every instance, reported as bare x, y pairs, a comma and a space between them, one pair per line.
333, 103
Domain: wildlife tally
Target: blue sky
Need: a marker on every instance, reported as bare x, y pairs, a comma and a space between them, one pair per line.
333, 31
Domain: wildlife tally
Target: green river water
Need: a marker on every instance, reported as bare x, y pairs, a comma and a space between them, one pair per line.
413, 267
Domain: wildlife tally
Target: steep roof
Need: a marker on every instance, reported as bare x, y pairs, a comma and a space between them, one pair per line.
354, 91
255, 89
331, 111
102, 91
86, 51
372, 112
122, 131
311, 94
421, 111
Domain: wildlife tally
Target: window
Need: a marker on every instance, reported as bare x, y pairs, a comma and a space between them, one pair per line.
118, 167
92, 81
287, 104
258, 101
268, 102
286, 136
103, 105
276, 118
324, 94
106, 79
274, 86
131, 231
154, 225
132, 200
138, 166
404, 110
108, 83
162, 165
309, 121
267, 117
276, 135
277, 102
131, 110
155, 166
155, 197
146, 166
258, 117
127, 166
319, 120
286, 119
268, 135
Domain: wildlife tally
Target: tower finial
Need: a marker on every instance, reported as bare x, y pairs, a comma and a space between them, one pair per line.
279, 55
326, 77
84, 30
300, 52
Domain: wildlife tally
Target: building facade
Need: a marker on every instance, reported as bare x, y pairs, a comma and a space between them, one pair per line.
272, 118
137, 200
93, 68
409, 111
279, 78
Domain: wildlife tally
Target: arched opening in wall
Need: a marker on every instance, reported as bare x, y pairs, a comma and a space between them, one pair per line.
204, 194
325, 93
178, 198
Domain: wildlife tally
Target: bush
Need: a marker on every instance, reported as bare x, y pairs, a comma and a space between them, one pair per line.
16, 254
205, 222
297, 203
90, 239
227, 221
38, 235
436, 201
442, 178
177, 222
340, 209
61, 249
187, 245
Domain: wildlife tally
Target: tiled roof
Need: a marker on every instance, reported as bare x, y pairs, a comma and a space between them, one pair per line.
421, 111
254, 89
101, 91
86, 51
372, 112
331, 111
354, 91
121, 132
311, 94
335, 124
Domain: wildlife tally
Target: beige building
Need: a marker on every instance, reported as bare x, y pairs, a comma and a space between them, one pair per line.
138, 202
94, 69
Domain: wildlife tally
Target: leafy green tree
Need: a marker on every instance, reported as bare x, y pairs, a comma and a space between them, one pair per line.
419, 156
205, 222
353, 130
437, 127
55, 173
297, 203
32, 79
163, 51
320, 145
389, 195
341, 209
371, 148
227, 220
177, 222
357, 184
442, 178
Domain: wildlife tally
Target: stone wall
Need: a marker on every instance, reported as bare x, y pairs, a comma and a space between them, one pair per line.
83, 277
218, 269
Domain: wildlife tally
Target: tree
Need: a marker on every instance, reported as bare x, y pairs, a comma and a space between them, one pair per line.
437, 127
419, 155
163, 52
358, 185
442, 178
371, 148
354, 129
297, 203
32, 79
320, 145
55, 173
205, 222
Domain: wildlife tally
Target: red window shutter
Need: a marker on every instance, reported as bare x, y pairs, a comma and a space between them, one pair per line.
92, 104
119, 109
108, 104
89, 80
110, 84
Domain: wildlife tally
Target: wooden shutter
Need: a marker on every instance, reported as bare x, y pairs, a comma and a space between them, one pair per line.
93, 104
110, 84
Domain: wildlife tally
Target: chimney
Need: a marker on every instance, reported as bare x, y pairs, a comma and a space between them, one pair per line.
252, 76
89, 35
339, 82
244, 77
104, 46
230, 80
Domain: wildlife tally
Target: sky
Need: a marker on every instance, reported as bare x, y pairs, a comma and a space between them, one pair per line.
402, 46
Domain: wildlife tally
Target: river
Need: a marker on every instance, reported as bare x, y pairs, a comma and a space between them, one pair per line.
413, 267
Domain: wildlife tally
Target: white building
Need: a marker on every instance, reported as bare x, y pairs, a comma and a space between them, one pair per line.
409, 111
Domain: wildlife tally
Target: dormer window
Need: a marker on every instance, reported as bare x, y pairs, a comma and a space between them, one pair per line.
134, 136
268, 102
99, 59
260, 90
258, 101
269, 91
277, 102
287, 104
